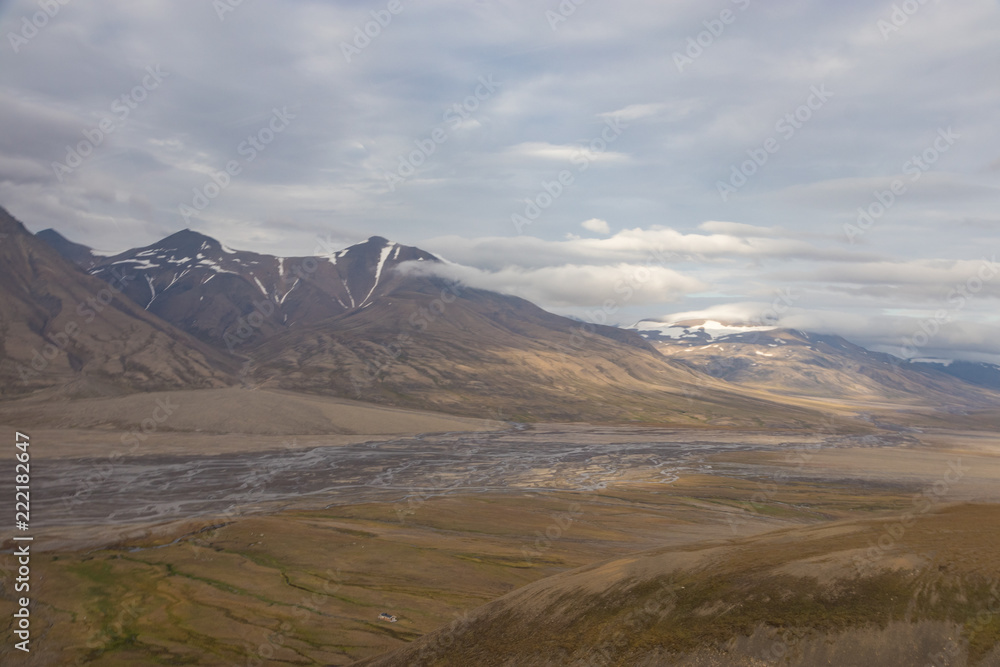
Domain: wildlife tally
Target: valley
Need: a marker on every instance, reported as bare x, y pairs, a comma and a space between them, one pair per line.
499, 334
291, 560
237, 461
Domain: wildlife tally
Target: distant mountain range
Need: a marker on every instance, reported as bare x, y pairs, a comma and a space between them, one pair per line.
975, 372
374, 322
693, 332
357, 323
820, 365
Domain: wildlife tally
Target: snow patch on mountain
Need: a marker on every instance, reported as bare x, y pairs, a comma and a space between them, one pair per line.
706, 330
384, 255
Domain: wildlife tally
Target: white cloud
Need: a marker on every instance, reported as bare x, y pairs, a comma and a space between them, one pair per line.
897, 335
673, 111
946, 282
740, 229
656, 244
542, 150
572, 285
596, 225
747, 312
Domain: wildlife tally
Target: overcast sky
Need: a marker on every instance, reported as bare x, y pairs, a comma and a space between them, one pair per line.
685, 158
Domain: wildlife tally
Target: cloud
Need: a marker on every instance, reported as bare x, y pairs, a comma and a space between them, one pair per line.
746, 312
740, 229
572, 285
672, 111
900, 336
938, 281
552, 93
931, 186
654, 245
565, 153
596, 225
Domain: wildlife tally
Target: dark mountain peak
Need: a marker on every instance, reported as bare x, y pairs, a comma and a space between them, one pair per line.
50, 235
371, 247
9, 224
77, 253
187, 240
378, 250
201, 285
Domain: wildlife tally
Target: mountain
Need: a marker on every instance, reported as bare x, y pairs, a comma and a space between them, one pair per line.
820, 595
800, 363
974, 372
370, 322
77, 253
60, 327
374, 322
436, 345
693, 332
230, 298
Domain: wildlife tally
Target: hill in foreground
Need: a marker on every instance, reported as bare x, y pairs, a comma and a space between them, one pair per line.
823, 595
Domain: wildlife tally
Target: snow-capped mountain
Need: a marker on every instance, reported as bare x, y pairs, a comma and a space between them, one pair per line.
695, 332
62, 328
217, 293
807, 363
350, 323
979, 373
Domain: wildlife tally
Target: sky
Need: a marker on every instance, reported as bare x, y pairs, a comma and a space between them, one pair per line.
833, 167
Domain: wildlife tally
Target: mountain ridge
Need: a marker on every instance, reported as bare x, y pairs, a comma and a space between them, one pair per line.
794, 362
64, 328
350, 324
354, 323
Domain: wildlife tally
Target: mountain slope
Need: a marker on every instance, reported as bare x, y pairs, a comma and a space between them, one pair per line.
800, 363
978, 373
228, 297
365, 323
60, 326
356, 323
77, 253
798, 597
432, 344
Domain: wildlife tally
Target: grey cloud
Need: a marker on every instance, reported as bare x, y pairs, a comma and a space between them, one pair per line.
656, 185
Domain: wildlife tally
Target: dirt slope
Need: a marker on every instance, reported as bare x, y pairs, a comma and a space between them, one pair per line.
825, 595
